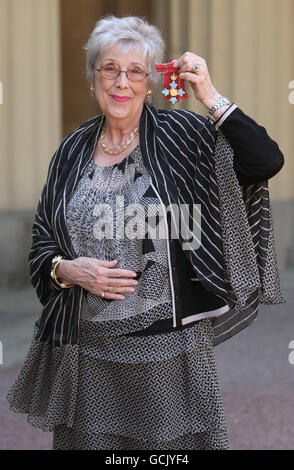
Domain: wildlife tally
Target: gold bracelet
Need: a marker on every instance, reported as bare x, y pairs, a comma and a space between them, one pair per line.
55, 262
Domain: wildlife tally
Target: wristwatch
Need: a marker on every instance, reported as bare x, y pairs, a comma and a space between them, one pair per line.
221, 102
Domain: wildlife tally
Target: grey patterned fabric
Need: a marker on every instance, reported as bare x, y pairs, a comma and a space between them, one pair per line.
161, 391
154, 392
251, 270
71, 439
94, 205
245, 247
121, 392
114, 189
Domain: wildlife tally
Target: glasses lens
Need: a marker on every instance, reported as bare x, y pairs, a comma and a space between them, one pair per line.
109, 71
136, 75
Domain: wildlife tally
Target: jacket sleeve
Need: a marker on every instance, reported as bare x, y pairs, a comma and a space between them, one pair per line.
44, 245
257, 157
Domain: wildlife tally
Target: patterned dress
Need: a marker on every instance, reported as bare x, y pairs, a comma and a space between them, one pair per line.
152, 392
126, 392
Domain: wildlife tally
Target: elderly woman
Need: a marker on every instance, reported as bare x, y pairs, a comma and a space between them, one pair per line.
122, 354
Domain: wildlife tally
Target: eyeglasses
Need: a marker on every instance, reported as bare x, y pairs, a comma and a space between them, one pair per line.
111, 73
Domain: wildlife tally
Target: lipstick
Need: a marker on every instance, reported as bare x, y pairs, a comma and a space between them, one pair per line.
120, 99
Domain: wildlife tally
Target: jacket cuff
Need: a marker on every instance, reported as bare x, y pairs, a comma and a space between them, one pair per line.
224, 116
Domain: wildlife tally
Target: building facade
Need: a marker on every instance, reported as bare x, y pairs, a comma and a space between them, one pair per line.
248, 46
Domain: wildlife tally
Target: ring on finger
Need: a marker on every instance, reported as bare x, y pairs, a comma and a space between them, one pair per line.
196, 68
103, 292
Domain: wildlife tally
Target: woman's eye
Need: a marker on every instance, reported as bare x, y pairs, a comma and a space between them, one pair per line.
109, 68
136, 71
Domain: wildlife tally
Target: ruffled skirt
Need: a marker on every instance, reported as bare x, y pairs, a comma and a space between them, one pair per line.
123, 392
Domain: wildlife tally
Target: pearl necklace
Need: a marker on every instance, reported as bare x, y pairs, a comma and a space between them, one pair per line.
123, 146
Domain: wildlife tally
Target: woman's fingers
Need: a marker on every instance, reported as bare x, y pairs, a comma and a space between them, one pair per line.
107, 264
115, 293
109, 271
187, 60
119, 273
200, 82
117, 282
100, 276
109, 291
119, 290
111, 296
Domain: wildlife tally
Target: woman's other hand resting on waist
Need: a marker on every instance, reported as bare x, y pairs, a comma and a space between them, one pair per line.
97, 276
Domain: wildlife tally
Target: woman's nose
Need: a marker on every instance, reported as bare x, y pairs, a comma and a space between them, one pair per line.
122, 80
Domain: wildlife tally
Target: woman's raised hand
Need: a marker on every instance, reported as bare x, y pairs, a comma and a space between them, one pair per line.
201, 83
97, 276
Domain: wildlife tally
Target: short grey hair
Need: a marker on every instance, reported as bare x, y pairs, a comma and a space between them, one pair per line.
126, 32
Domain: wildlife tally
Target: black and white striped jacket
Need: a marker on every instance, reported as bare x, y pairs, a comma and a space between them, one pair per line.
190, 161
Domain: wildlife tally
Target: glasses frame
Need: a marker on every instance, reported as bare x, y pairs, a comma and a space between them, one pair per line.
119, 72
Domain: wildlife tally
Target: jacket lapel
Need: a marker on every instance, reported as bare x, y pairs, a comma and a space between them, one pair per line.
155, 158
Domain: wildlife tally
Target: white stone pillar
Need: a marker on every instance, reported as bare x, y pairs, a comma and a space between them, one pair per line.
30, 116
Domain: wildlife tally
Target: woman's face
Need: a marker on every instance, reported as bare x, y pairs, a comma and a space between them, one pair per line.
121, 98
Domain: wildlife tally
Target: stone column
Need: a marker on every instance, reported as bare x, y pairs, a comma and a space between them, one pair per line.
30, 122
30, 115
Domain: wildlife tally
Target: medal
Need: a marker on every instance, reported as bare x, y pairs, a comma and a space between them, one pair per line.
174, 87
